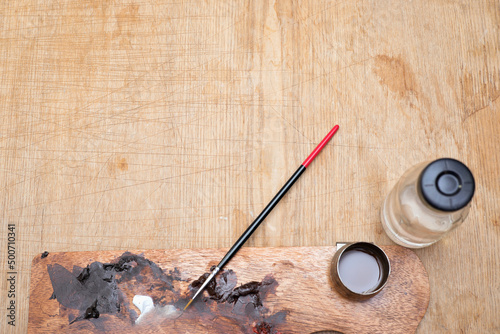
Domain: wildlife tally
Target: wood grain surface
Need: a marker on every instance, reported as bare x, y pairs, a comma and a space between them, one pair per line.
304, 294
170, 124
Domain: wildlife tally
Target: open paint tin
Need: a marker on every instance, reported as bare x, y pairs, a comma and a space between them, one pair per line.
360, 270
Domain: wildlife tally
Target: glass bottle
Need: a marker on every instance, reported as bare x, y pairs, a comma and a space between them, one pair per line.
429, 200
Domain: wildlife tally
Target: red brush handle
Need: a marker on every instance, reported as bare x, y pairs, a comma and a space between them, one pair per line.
320, 146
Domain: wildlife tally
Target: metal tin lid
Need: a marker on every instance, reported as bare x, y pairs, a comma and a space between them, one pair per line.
447, 184
359, 270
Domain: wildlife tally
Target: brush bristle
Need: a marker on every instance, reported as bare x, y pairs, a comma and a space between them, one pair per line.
188, 304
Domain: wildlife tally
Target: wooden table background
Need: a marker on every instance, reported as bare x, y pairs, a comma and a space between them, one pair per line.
150, 124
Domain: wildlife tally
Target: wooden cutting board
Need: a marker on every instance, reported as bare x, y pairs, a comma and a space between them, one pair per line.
292, 293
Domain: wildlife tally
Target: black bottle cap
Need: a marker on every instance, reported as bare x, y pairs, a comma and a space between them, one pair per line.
447, 184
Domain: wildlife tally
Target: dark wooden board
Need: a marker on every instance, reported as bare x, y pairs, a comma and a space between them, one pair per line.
302, 299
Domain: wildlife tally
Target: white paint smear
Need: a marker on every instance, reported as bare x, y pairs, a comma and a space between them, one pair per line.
146, 305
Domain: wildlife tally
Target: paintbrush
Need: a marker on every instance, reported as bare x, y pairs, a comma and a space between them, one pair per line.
249, 231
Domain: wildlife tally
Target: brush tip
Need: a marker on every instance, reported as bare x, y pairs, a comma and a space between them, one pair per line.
188, 304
